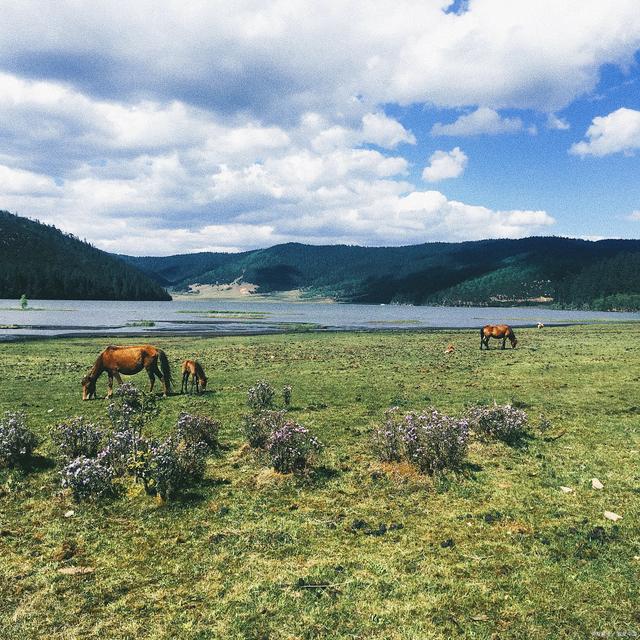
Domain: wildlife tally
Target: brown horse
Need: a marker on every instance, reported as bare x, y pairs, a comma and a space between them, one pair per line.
498, 331
193, 369
128, 360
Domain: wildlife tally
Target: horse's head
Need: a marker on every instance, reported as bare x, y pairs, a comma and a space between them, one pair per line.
88, 388
203, 383
514, 341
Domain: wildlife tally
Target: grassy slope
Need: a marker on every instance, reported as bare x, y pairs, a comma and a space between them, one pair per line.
193, 570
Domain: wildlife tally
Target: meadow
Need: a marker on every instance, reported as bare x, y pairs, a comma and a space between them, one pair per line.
497, 551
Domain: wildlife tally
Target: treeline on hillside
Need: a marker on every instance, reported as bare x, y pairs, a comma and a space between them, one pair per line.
43, 262
564, 272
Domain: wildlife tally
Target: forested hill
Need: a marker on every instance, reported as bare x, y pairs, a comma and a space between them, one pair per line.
42, 262
539, 270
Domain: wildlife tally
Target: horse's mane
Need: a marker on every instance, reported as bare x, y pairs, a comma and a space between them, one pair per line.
97, 368
200, 371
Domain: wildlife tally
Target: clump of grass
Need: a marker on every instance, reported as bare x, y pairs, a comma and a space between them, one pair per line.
141, 323
292, 447
500, 422
171, 466
388, 439
286, 395
88, 478
17, 441
193, 429
258, 426
76, 437
435, 442
261, 396
431, 441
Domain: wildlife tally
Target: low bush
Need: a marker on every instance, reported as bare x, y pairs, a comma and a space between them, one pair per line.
292, 447
259, 426
261, 396
193, 429
123, 451
88, 478
131, 408
286, 395
435, 442
388, 439
17, 442
502, 422
76, 437
171, 466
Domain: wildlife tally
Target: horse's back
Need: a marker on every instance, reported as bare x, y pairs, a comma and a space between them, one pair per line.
190, 366
128, 354
496, 330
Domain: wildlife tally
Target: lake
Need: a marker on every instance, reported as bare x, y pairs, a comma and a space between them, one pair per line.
232, 317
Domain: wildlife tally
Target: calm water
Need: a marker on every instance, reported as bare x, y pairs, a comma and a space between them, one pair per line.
79, 317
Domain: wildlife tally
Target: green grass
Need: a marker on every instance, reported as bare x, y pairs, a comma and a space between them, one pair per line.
141, 323
253, 555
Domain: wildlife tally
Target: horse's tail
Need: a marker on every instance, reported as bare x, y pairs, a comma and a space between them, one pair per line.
164, 367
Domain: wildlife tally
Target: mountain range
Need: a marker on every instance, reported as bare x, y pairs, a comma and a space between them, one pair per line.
44, 262
41, 261
563, 272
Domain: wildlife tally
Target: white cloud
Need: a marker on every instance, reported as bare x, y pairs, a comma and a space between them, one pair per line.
384, 131
445, 164
483, 120
634, 215
20, 182
614, 133
554, 122
284, 58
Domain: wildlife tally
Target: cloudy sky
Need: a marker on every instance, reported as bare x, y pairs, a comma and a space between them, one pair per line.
159, 127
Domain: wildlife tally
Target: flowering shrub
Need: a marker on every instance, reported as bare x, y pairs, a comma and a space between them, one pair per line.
76, 437
259, 426
503, 422
131, 408
171, 466
291, 447
388, 439
261, 396
88, 478
286, 395
123, 453
435, 442
17, 442
194, 429
129, 411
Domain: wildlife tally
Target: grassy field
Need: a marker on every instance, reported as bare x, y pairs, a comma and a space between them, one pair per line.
498, 552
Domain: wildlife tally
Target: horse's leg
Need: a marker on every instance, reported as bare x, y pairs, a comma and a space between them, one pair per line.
197, 385
193, 382
109, 384
504, 342
158, 373
116, 375
185, 382
152, 379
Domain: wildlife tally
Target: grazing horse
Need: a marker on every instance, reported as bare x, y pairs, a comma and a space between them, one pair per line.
193, 369
128, 360
498, 331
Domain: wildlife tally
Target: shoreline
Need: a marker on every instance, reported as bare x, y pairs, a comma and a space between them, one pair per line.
169, 333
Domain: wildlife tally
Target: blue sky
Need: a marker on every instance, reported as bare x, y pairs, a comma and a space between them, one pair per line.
161, 127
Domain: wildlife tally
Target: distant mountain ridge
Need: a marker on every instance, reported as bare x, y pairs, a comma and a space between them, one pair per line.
43, 262
564, 272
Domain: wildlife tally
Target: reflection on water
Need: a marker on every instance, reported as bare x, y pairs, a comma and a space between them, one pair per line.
231, 317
